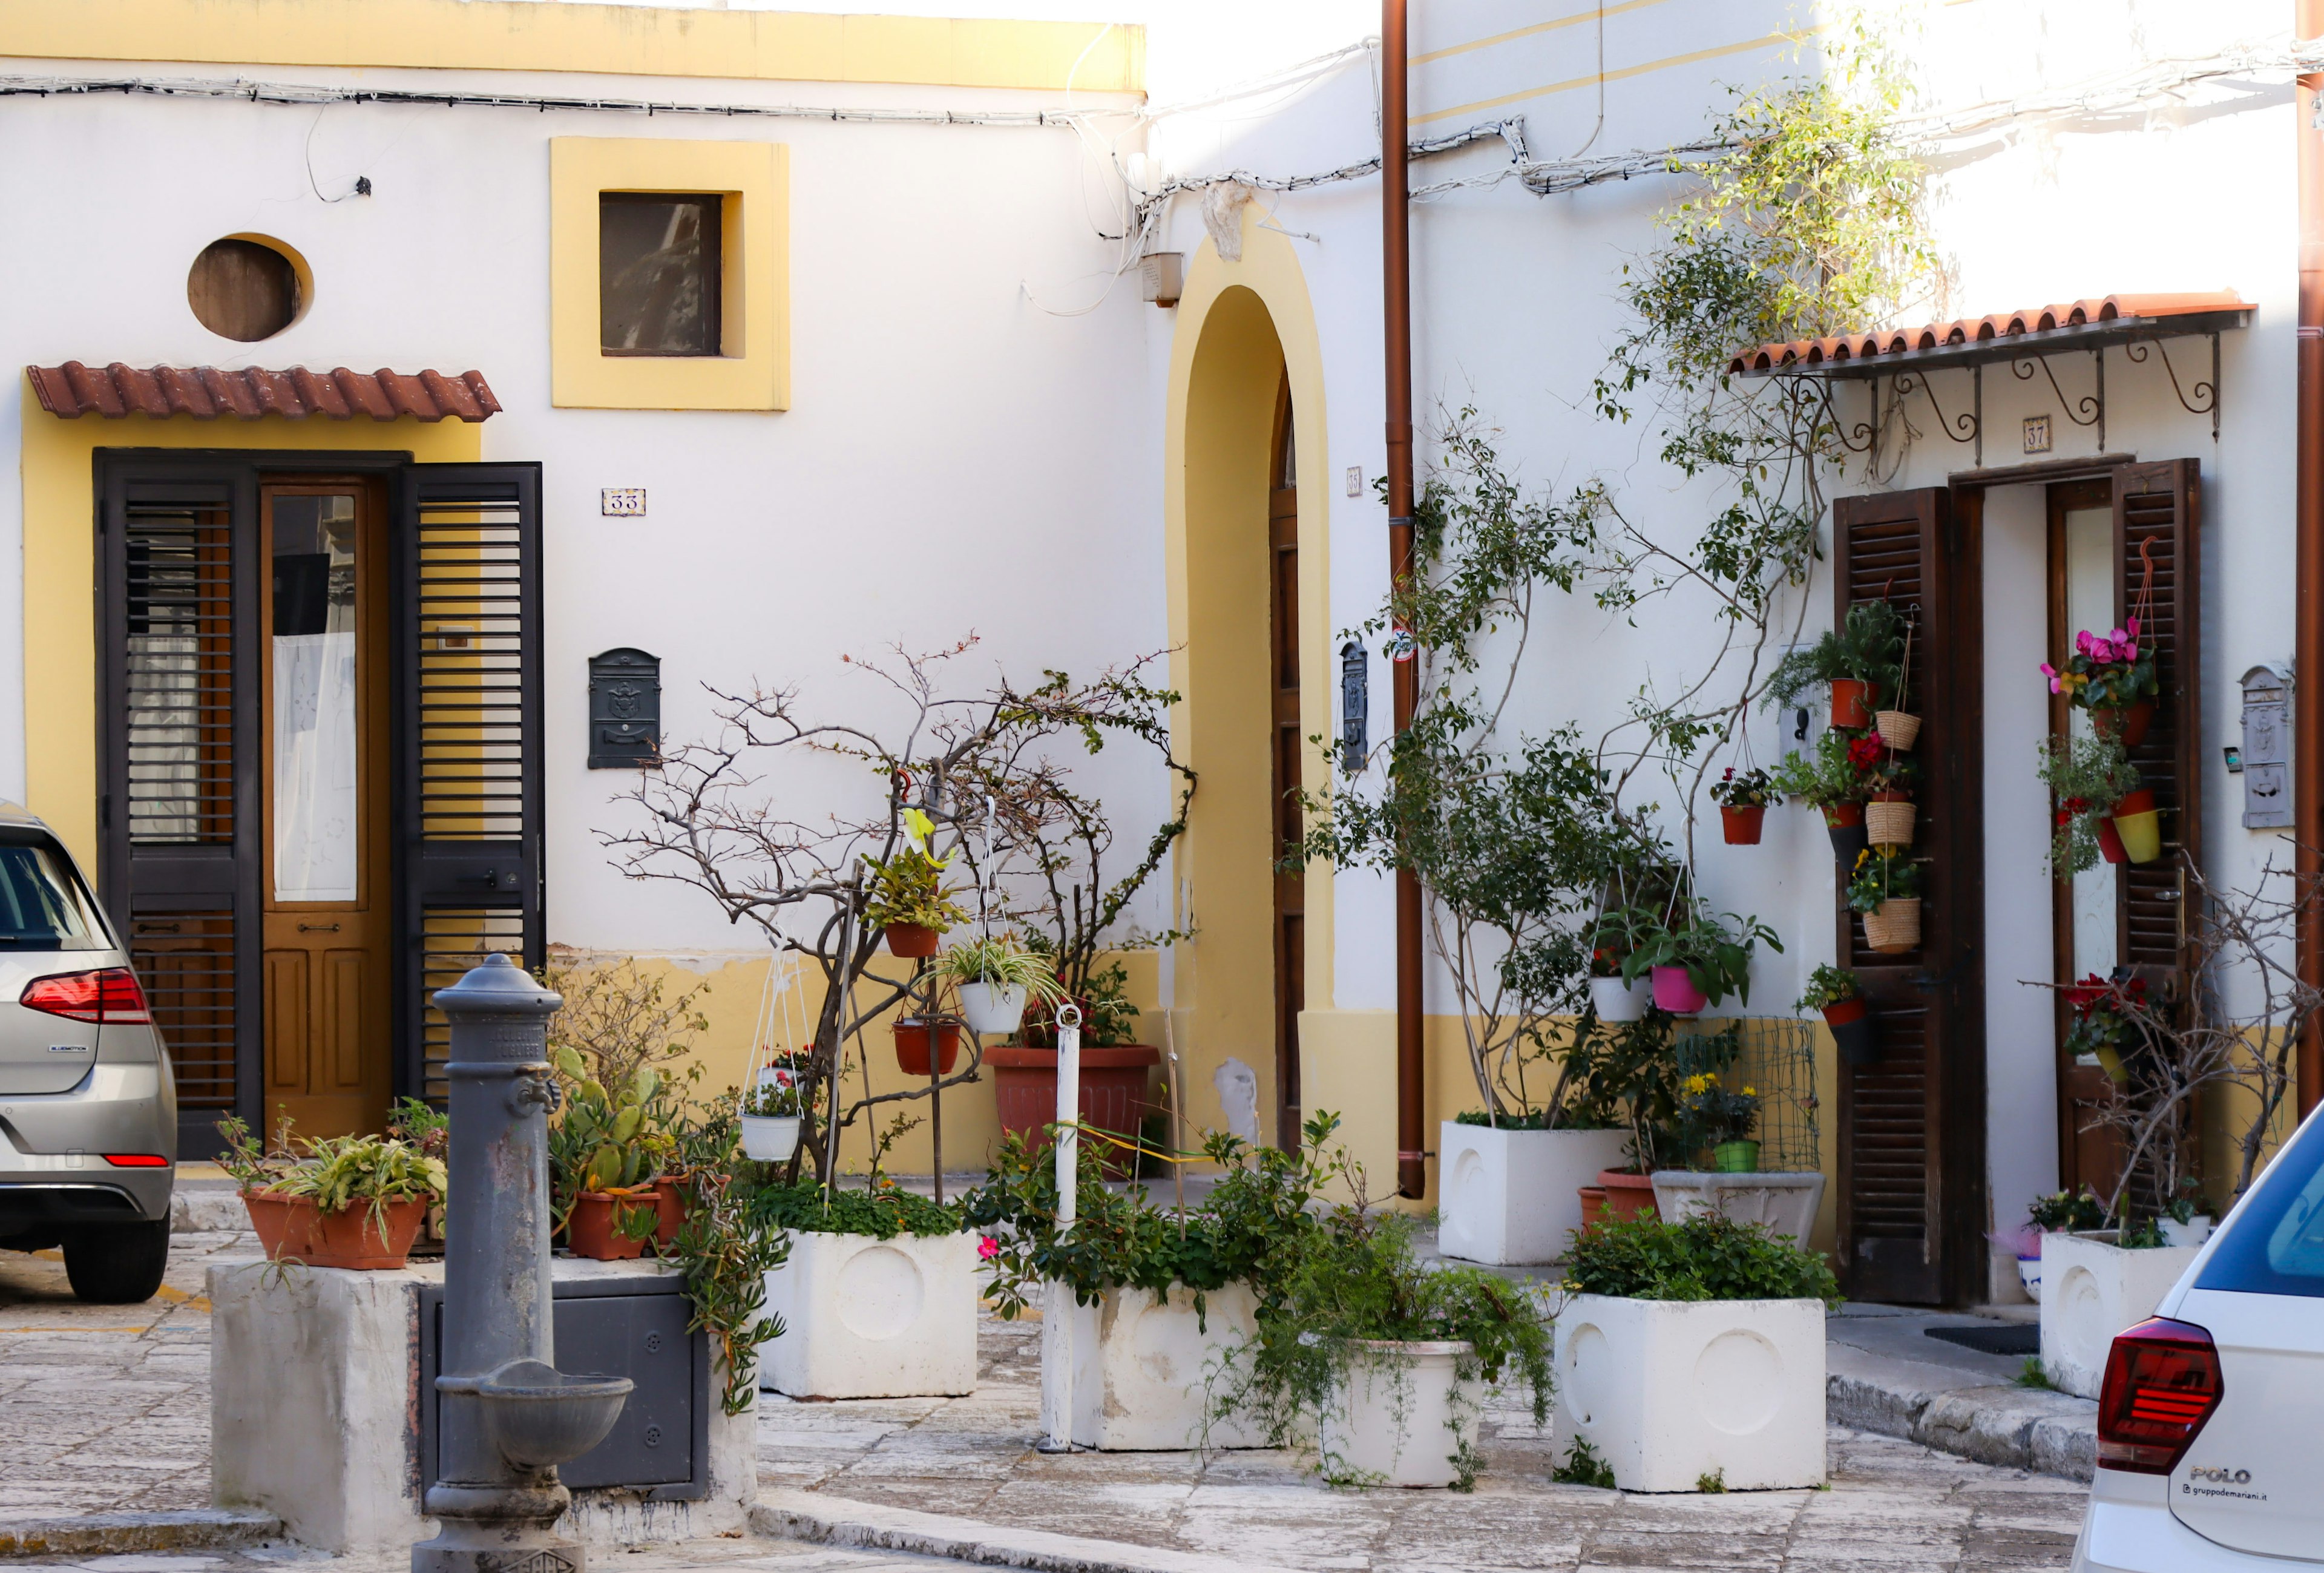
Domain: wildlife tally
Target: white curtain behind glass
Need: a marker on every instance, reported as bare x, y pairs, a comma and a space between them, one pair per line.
315, 784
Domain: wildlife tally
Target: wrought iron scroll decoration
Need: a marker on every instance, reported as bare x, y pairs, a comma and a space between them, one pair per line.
1965, 427
2095, 404
2206, 401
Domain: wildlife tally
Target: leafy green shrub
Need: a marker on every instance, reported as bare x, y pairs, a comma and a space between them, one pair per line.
883, 1213
1709, 1257
1573, 1117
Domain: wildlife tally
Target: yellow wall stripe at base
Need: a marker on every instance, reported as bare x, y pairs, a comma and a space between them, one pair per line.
530, 35
1591, 80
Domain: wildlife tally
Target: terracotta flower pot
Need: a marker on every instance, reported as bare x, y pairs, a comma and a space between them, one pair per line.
1894, 926
912, 1046
591, 1230
1113, 1096
1628, 1195
1593, 1205
1844, 823
1851, 702
1676, 992
2138, 824
1850, 1021
910, 939
1889, 823
1898, 730
1741, 824
2110, 846
291, 1229
670, 1213
2127, 726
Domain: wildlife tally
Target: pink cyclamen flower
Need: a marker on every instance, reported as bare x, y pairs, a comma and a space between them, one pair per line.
987, 1247
2083, 641
2051, 673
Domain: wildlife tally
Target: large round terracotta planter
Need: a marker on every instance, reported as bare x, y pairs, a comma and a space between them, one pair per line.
591, 1232
912, 1046
2138, 825
1593, 1205
1113, 1094
911, 939
291, 1229
1851, 703
1844, 823
1741, 824
2127, 726
1628, 1195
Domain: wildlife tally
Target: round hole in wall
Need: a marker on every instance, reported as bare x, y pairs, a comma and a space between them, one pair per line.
248, 287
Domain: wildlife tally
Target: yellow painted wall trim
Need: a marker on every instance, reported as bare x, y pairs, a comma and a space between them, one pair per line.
755, 371
1645, 68
60, 765
1592, 14
511, 35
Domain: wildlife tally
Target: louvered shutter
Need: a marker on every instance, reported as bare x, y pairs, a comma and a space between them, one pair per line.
1910, 1127
468, 660
2156, 522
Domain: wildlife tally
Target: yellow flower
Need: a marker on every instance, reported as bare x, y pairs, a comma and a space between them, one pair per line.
1750, 1092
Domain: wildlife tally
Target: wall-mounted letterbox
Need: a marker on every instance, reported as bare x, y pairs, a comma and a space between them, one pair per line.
624, 710
2266, 750
1355, 706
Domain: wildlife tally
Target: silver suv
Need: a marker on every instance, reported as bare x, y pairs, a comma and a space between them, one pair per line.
89, 1111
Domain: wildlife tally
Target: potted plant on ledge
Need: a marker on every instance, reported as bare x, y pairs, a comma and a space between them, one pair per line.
1663, 1317
1512, 1179
354, 1202
606, 1153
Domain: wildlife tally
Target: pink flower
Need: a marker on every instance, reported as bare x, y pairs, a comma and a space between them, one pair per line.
2051, 673
2133, 626
987, 1247
2082, 641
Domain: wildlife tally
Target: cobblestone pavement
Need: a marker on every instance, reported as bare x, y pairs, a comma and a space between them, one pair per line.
1891, 1505
739, 1555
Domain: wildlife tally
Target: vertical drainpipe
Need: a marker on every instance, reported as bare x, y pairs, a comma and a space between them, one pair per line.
1396, 290
2307, 692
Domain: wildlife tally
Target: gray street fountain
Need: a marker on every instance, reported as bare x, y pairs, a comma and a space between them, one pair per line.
509, 1417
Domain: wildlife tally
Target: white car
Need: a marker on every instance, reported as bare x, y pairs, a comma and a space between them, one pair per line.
2211, 1420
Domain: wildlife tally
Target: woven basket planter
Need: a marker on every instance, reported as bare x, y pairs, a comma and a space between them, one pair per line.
1896, 927
1888, 824
1898, 730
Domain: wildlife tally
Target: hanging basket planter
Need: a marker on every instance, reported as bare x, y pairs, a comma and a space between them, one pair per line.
2138, 825
1889, 823
1844, 822
911, 940
912, 1046
1894, 926
1898, 730
1621, 999
1851, 703
1742, 826
993, 1010
1850, 1021
769, 1138
2126, 726
1674, 992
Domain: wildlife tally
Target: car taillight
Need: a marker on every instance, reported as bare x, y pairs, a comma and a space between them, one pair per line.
109, 997
2163, 1381
137, 1161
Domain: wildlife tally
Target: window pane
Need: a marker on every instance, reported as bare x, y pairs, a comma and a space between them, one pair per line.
42, 904
314, 720
658, 273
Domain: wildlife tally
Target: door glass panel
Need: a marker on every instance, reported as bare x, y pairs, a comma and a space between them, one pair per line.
316, 790
2090, 604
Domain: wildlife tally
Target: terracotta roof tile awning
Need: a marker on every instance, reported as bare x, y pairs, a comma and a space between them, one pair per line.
206, 392
2086, 324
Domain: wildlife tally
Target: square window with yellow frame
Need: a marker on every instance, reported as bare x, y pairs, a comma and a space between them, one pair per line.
669, 273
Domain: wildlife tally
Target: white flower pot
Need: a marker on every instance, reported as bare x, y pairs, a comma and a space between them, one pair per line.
2029, 1273
1514, 1195
1667, 1391
1400, 1416
865, 1318
1786, 1203
1618, 1000
2193, 1232
2091, 1290
1143, 1370
991, 1010
769, 1138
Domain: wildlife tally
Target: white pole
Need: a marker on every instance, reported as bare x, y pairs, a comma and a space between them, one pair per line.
1057, 1312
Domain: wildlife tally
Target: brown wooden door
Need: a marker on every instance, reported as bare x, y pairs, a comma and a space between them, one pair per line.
1912, 1127
1283, 656
328, 901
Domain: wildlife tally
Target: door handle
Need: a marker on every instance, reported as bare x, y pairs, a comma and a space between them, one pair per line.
318, 927
490, 879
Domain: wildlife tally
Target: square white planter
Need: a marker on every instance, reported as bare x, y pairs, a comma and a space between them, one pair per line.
865, 1318
1667, 1391
1514, 1195
1786, 1203
1143, 1369
2092, 1290
1401, 1418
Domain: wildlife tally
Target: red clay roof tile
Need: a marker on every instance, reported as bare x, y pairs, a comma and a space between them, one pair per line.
1997, 324
205, 393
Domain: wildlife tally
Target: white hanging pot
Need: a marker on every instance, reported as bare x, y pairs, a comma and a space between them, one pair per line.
993, 1010
1620, 1000
769, 1138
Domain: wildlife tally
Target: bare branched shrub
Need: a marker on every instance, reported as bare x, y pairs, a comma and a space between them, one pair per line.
619, 1019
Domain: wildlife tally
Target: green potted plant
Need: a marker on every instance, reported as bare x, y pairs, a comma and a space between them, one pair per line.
1885, 887
909, 901
1696, 958
2087, 777
1743, 803
996, 979
1721, 1119
2106, 1016
1834, 992
1860, 660
2113, 678
1834, 778
354, 1202
606, 1153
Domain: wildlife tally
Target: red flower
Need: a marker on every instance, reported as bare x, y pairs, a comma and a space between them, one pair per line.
1863, 753
987, 1247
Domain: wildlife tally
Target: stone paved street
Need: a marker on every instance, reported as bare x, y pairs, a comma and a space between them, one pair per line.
104, 1409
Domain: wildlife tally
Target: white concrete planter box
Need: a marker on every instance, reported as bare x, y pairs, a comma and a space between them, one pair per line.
1786, 1203
866, 1317
1401, 1416
1143, 1370
1514, 1195
2091, 1290
1667, 1391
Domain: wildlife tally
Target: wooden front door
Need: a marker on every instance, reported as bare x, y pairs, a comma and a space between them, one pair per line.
1283, 659
329, 899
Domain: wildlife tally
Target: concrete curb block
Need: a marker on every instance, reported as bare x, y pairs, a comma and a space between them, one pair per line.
101, 1533
2050, 1433
204, 1212
830, 1520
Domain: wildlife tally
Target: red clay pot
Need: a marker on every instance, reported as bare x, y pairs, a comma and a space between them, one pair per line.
1628, 1195
591, 1233
292, 1230
1851, 702
1113, 1094
2110, 847
1840, 1012
912, 1046
910, 940
2128, 727
670, 1213
1742, 825
1593, 1205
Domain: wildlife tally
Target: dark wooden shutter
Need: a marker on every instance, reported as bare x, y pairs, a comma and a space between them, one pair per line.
1912, 1127
2157, 509
177, 801
468, 658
